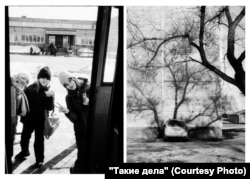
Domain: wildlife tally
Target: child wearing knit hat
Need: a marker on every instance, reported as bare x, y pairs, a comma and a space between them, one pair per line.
70, 82
44, 73
77, 101
44, 77
41, 101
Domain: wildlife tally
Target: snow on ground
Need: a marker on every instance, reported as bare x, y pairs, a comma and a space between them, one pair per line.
32, 65
142, 150
64, 136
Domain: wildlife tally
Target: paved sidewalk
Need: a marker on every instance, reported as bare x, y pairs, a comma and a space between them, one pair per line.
60, 151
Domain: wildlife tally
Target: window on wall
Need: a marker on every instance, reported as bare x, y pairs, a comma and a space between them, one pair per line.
30, 38
112, 47
23, 38
16, 38
82, 41
34, 38
27, 38
42, 39
86, 41
52, 39
92, 41
38, 39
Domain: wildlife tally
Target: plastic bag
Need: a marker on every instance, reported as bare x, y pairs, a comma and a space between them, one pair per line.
51, 124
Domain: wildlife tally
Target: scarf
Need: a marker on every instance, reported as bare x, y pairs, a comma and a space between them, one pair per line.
23, 107
21, 102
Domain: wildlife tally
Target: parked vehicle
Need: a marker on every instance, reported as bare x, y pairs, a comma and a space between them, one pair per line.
175, 130
16, 49
85, 52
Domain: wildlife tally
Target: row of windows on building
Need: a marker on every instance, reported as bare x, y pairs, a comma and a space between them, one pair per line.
41, 39
28, 38
85, 41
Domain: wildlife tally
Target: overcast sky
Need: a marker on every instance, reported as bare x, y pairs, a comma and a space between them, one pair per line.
55, 12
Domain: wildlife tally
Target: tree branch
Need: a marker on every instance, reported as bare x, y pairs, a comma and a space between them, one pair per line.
159, 46
202, 51
231, 38
239, 17
193, 60
241, 57
218, 15
201, 35
200, 113
229, 18
143, 40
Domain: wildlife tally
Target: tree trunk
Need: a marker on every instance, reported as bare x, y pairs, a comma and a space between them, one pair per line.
240, 79
175, 111
160, 128
160, 132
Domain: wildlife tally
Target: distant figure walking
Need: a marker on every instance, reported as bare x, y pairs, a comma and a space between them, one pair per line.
31, 50
55, 50
42, 50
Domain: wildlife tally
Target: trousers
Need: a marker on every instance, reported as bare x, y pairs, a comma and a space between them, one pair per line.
28, 129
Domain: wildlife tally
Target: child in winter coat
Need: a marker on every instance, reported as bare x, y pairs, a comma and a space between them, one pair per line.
77, 101
41, 100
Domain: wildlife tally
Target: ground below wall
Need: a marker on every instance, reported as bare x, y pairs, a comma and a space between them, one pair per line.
231, 149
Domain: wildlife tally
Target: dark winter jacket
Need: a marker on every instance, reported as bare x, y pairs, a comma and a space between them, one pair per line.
39, 103
78, 112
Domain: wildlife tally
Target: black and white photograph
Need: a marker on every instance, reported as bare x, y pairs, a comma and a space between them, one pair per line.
185, 84
80, 101
64, 89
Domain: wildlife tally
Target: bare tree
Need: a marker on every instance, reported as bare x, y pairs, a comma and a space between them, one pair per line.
182, 77
200, 33
185, 73
235, 62
183, 80
142, 99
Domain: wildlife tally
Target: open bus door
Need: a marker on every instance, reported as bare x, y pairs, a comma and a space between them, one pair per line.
105, 135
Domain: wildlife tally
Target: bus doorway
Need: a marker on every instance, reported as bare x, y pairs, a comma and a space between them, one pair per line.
105, 73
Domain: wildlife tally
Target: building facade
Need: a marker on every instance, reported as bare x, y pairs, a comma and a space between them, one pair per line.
64, 34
